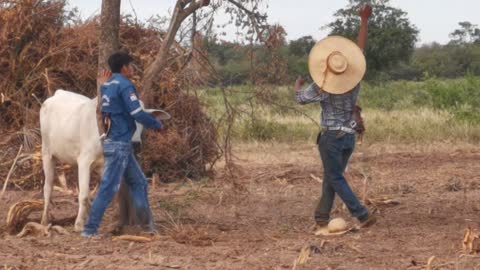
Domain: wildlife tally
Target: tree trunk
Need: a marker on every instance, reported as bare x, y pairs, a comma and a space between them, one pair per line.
109, 29
108, 42
152, 73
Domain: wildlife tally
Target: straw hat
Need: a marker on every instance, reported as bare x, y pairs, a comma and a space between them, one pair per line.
336, 64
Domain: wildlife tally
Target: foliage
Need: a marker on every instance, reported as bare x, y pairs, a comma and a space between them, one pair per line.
468, 33
448, 61
391, 36
301, 47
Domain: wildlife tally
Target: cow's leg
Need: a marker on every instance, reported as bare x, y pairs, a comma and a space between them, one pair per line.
84, 164
49, 171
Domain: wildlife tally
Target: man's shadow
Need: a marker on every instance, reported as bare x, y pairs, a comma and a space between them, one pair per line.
128, 214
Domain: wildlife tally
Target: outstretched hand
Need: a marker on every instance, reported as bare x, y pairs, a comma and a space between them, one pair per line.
158, 117
299, 83
103, 76
366, 12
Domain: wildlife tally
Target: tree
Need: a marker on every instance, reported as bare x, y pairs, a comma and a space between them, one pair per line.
468, 33
240, 13
391, 36
109, 27
109, 40
302, 46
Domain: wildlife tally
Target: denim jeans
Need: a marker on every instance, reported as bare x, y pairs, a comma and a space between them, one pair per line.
335, 152
120, 163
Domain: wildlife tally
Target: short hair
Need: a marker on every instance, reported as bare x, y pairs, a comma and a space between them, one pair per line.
117, 60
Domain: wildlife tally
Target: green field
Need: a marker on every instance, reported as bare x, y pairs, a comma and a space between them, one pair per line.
394, 112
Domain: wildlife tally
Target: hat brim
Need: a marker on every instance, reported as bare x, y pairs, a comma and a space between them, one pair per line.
329, 81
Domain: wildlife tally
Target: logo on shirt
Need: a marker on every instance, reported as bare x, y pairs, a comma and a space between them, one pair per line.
105, 100
133, 97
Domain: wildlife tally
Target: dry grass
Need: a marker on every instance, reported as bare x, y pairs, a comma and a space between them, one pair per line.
399, 120
421, 126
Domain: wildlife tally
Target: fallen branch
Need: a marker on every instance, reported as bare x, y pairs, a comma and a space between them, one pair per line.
471, 241
11, 171
133, 238
19, 212
302, 257
429, 265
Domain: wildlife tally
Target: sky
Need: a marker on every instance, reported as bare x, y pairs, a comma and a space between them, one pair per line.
435, 19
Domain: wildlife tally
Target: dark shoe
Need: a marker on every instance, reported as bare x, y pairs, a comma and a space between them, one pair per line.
322, 223
368, 221
319, 224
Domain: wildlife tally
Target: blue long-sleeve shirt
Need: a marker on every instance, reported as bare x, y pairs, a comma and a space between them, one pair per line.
120, 102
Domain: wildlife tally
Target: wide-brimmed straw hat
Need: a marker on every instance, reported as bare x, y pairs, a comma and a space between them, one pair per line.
336, 64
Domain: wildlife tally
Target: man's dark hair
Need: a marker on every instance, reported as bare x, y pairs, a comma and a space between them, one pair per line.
117, 60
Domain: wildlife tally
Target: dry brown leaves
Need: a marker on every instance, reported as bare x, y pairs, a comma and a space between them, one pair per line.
195, 237
471, 241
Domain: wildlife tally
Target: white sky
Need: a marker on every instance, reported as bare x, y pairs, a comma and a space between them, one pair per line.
435, 19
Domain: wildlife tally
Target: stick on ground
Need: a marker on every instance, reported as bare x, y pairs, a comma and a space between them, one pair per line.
11, 171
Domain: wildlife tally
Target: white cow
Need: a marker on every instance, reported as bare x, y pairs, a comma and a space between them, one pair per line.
70, 134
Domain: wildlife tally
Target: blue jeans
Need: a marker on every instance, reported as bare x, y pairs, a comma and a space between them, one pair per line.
335, 152
120, 163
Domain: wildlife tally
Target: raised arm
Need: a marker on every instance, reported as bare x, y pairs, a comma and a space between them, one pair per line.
309, 94
365, 13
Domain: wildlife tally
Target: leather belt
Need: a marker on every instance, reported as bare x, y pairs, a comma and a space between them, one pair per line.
344, 129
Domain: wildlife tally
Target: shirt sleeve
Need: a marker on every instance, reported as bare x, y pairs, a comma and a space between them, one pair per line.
309, 94
130, 99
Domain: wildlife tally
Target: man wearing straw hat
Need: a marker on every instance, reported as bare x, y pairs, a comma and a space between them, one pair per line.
337, 66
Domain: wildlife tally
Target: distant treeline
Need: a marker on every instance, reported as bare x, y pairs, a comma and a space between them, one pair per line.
234, 61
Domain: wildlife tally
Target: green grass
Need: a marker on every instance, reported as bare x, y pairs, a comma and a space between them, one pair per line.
402, 111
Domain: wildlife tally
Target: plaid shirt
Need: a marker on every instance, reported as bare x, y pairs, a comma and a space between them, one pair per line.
336, 109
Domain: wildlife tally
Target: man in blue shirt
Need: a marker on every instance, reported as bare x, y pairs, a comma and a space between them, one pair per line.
120, 109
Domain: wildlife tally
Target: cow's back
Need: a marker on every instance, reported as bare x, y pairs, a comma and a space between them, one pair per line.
69, 126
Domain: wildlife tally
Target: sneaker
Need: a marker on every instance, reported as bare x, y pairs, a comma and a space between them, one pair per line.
92, 236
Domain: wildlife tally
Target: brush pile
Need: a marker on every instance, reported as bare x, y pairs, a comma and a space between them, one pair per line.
43, 48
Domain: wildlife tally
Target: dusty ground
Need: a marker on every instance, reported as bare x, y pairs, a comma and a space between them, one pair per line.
263, 223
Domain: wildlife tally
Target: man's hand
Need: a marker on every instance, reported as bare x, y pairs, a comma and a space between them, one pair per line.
366, 12
158, 116
103, 76
299, 83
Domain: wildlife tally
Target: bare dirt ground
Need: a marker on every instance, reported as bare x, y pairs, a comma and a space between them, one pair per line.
263, 220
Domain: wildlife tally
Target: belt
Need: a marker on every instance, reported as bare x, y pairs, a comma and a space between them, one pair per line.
344, 129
